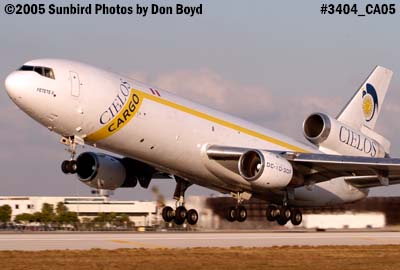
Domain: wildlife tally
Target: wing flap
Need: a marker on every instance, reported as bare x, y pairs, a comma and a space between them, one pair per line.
362, 172
371, 181
343, 165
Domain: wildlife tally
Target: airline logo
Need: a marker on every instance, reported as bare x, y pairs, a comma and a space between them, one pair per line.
119, 113
358, 141
370, 102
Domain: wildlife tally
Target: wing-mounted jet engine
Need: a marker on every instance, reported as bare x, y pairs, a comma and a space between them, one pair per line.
264, 169
101, 171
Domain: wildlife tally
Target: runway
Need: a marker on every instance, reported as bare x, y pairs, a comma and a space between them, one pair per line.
52, 241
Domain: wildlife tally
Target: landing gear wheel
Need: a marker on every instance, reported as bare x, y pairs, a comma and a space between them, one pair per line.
65, 167
281, 220
168, 214
73, 166
69, 166
272, 212
192, 217
180, 215
231, 214
285, 212
241, 213
296, 217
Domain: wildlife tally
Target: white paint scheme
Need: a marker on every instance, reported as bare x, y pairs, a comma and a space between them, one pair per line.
167, 138
352, 114
340, 139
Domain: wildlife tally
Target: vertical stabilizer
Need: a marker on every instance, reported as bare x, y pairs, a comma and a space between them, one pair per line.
364, 107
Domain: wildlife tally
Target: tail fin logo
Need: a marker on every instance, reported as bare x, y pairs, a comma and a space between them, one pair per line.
370, 102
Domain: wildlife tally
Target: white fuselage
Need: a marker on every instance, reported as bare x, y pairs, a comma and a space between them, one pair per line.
131, 119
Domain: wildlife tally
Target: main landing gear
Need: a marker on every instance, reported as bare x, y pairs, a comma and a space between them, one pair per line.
180, 214
280, 214
283, 214
238, 212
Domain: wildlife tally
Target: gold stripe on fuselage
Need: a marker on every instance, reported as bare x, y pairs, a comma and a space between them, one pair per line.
103, 132
125, 115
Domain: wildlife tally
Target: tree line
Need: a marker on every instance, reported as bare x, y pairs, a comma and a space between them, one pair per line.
49, 215
61, 215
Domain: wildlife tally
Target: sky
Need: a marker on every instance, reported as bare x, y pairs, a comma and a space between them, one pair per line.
270, 62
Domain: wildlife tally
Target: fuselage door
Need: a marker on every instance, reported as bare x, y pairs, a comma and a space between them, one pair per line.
75, 83
75, 102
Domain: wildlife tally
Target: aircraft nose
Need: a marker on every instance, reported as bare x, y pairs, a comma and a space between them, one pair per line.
13, 86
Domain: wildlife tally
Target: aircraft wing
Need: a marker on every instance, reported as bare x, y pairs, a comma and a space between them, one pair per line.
312, 168
359, 171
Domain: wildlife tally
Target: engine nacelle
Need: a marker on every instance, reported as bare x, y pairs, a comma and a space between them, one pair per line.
100, 171
265, 169
330, 134
103, 171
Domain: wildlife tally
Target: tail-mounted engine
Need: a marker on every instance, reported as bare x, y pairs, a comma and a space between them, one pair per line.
265, 169
334, 137
103, 171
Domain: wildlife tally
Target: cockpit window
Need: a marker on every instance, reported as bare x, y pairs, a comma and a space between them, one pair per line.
43, 71
38, 70
27, 68
48, 72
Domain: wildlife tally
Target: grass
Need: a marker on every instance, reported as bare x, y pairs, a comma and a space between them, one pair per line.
293, 258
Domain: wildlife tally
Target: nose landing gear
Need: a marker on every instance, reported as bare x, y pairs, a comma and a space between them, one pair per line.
70, 166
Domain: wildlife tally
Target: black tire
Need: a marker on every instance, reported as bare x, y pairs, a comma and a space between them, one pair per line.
285, 212
297, 217
168, 214
73, 166
180, 215
231, 214
271, 212
241, 213
65, 167
281, 220
192, 217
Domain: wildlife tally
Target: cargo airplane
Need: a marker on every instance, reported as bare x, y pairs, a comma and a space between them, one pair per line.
155, 133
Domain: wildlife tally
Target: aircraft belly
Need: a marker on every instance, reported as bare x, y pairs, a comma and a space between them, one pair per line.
335, 191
